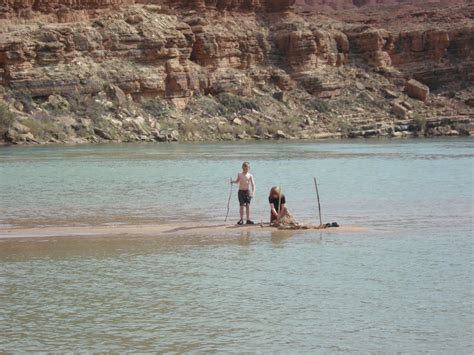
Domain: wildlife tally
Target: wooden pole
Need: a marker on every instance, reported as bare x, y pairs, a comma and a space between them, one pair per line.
319, 204
279, 200
228, 201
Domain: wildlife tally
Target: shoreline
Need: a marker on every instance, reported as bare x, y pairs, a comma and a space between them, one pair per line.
242, 141
155, 230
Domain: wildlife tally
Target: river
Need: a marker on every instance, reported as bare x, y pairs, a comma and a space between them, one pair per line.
404, 285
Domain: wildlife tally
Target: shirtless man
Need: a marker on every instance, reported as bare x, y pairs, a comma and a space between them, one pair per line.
245, 180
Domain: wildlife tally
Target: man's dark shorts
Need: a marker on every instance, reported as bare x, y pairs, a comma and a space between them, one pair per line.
244, 197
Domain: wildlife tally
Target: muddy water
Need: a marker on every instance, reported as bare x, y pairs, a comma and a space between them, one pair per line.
404, 285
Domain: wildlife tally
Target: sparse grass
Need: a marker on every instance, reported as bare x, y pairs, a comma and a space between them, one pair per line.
169, 124
156, 108
345, 128
26, 100
57, 108
368, 102
190, 126
6, 119
205, 105
234, 104
319, 105
420, 122
276, 126
291, 121
88, 106
36, 127
42, 126
224, 129
250, 130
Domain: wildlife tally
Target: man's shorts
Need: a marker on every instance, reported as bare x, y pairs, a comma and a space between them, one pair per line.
244, 197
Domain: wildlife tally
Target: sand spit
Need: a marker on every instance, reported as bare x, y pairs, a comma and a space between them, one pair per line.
154, 230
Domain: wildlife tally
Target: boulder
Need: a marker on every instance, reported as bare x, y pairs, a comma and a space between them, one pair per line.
102, 134
389, 94
407, 105
168, 135
359, 85
280, 96
20, 128
117, 95
417, 90
399, 110
470, 102
237, 121
14, 136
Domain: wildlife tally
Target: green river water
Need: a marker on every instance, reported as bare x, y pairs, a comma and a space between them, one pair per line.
404, 285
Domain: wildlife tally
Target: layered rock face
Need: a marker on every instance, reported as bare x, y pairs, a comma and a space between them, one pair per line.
24, 8
321, 5
182, 50
311, 53
177, 57
434, 56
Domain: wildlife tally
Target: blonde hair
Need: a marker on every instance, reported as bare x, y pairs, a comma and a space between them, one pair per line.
275, 190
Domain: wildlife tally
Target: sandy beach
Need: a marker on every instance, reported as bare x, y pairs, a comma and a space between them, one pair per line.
155, 230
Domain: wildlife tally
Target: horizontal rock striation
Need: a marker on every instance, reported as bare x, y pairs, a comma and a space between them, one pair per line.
433, 56
223, 49
25, 8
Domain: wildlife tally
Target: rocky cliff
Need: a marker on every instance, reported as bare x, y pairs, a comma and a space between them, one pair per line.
131, 70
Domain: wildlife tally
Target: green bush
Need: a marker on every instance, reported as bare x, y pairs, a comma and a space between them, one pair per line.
233, 103
420, 122
156, 108
87, 106
318, 105
205, 105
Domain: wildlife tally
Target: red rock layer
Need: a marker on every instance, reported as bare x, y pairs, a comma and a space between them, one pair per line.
147, 52
23, 8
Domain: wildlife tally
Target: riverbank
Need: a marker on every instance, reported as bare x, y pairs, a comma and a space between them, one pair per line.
229, 117
168, 71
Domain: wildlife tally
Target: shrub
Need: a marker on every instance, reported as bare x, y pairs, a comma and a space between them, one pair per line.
205, 105
57, 107
233, 103
88, 106
345, 128
156, 108
318, 105
189, 126
6, 119
26, 100
420, 122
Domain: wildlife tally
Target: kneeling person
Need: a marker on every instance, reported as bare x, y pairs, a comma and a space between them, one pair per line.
278, 208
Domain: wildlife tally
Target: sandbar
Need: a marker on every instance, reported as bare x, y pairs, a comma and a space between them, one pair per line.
155, 230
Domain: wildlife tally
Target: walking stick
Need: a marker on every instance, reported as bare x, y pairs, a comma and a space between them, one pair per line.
319, 205
228, 202
279, 203
279, 200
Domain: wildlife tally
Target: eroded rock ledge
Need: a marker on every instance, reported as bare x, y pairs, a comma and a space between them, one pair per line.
125, 70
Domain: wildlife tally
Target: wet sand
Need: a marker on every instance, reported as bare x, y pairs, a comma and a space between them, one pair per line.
155, 230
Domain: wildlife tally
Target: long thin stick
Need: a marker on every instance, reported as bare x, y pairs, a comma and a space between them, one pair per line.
319, 205
228, 202
279, 201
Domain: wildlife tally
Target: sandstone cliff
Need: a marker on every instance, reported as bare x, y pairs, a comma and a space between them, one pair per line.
93, 70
